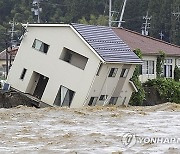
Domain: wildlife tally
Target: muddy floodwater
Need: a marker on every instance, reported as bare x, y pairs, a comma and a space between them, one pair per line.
96, 130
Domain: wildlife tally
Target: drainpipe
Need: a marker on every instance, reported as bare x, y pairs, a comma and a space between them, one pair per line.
7, 58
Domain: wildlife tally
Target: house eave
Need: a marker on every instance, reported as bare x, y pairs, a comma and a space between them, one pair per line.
130, 63
45, 25
156, 54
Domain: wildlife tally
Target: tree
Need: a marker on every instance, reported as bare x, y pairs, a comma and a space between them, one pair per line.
137, 98
176, 73
159, 64
100, 20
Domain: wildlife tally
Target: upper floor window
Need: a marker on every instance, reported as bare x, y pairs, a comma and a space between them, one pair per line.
124, 72
40, 46
113, 72
148, 67
74, 58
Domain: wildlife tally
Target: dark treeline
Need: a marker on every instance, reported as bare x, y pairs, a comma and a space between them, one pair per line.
95, 12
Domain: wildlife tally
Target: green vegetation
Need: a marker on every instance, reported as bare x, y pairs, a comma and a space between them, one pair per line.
96, 12
160, 62
177, 73
137, 98
168, 89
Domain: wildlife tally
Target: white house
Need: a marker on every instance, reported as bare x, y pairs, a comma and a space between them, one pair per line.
74, 65
150, 48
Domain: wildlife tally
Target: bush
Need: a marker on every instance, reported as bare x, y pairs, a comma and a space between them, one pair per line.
168, 89
137, 98
176, 73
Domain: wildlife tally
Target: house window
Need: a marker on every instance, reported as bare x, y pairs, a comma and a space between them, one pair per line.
148, 67
64, 97
23, 74
99, 69
92, 101
74, 58
178, 63
103, 97
40, 46
113, 72
113, 100
124, 101
167, 71
124, 72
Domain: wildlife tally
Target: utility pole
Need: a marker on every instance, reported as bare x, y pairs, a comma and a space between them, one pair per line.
110, 12
13, 42
7, 55
36, 9
161, 35
12, 31
177, 14
122, 13
146, 25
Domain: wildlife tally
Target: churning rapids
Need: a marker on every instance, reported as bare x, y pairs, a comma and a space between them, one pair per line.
92, 130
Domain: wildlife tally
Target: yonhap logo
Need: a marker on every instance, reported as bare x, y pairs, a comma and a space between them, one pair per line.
129, 140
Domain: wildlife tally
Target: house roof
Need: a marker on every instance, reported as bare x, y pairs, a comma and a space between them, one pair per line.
106, 43
147, 45
12, 51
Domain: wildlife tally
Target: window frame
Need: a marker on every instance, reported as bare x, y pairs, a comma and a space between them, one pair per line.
148, 67
113, 100
93, 101
103, 97
167, 68
64, 96
124, 72
113, 72
71, 56
43, 47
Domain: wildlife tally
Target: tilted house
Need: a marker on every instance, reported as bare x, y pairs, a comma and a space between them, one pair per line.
74, 65
150, 48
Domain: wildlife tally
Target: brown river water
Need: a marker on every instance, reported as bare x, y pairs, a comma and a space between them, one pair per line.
92, 130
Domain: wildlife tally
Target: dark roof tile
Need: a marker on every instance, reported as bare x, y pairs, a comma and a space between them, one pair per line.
106, 43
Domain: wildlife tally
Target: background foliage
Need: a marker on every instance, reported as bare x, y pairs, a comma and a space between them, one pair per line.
137, 98
168, 89
96, 12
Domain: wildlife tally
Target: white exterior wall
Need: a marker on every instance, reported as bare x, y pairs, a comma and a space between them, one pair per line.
112, 86
144, 77
126, 89
49, 65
